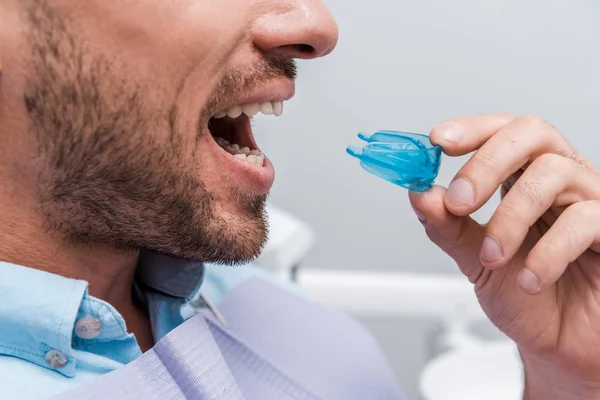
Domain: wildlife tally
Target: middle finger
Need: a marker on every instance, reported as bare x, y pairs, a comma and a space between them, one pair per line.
512, 147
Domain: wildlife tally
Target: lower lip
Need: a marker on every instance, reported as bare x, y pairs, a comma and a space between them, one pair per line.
249, 176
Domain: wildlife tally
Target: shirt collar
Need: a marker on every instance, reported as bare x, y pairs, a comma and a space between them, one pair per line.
171, 276
39, 310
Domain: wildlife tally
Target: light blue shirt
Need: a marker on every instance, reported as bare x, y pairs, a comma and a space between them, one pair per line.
54, 335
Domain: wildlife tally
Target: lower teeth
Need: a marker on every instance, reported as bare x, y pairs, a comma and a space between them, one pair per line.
244, 153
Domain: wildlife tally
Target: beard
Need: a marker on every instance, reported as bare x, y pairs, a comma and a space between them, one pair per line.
104, 179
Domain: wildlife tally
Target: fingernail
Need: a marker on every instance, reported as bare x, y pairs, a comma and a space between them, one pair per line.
528, 281
490, 250
461, 192
450, 132
419, 214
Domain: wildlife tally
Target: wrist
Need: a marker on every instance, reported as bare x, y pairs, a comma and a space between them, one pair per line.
547, 381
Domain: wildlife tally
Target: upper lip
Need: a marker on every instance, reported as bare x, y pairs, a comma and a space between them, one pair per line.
280, 90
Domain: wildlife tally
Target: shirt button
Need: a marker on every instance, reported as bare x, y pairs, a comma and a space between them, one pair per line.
87, 328
56, 359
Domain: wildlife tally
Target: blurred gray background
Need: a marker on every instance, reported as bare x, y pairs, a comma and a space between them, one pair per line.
408, 65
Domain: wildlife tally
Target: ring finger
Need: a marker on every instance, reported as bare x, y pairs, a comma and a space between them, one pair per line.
539, 188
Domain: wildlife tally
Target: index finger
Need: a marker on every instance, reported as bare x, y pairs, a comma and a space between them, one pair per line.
460, 136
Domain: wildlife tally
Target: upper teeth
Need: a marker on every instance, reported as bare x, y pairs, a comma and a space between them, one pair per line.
267, 108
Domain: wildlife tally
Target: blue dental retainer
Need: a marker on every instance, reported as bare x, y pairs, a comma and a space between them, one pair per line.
405, 159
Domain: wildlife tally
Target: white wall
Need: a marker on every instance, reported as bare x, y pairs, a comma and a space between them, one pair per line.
408, 65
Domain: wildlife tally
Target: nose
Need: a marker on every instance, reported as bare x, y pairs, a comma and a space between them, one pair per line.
296, 29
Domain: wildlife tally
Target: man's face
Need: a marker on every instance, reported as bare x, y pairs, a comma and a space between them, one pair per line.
118, 102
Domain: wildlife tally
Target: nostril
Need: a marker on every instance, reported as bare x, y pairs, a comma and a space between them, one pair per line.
296, 51
304, 49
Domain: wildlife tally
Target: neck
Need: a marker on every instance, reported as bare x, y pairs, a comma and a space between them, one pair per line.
109, 272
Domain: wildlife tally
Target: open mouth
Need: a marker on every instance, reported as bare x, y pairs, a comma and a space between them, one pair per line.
231, 129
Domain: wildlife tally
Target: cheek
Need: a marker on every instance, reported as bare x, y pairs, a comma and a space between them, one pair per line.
174, 34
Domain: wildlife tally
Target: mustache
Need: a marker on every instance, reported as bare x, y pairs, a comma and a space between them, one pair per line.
235, 82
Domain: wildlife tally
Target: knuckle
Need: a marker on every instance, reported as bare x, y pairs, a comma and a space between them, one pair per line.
533, 122
549, 249
554, 162
539, 128
532, 191
507, 223
585, 210
485, 160
506, 211
555, 165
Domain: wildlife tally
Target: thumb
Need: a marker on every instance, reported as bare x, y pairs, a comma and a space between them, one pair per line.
459, 237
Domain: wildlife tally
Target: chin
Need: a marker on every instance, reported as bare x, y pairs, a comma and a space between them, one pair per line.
227, 238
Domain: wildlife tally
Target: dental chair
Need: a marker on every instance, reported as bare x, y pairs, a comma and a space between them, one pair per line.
463, 365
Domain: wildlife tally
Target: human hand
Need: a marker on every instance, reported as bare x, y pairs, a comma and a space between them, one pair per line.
535, 265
